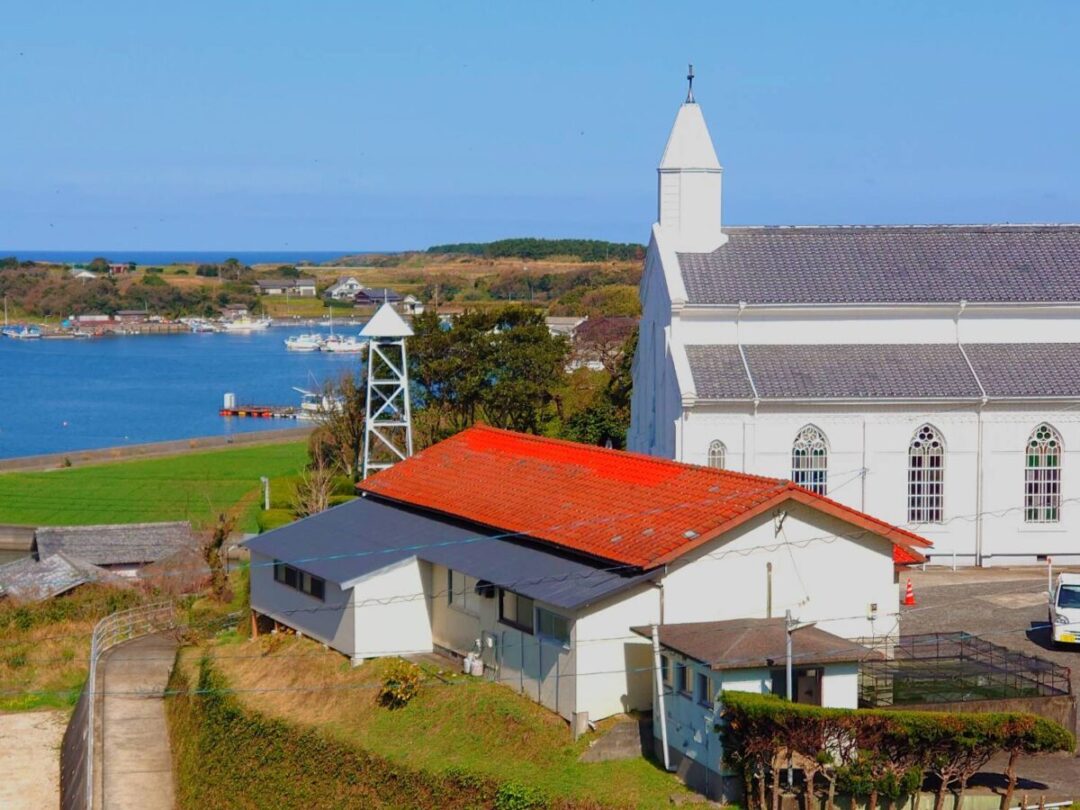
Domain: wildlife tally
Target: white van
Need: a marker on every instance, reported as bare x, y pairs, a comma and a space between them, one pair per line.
1065, 610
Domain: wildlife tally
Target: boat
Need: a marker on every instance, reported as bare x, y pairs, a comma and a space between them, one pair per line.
21, 332
313, 404
246, 324
304, 343
201, 326
343, 345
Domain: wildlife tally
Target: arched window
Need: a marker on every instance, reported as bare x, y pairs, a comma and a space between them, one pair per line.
810, 460
1042, 476
926, 476
717, 454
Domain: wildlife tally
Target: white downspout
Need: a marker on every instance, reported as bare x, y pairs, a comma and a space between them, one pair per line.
658, 676
978, 446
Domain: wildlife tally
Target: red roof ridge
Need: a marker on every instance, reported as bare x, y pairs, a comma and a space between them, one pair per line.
623, 454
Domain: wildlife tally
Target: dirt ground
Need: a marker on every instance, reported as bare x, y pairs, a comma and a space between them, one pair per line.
30, 759
1006, 607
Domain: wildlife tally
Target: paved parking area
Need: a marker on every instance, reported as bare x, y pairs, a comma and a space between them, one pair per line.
1006, 607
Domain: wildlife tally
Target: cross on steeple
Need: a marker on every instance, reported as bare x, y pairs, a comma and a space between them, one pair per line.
690, 86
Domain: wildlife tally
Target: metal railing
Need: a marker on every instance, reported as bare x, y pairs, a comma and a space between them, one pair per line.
109, 632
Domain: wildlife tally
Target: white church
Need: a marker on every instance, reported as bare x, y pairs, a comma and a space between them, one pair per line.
927, 375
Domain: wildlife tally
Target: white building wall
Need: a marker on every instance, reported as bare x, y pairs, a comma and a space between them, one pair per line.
810, 557
614, 665
386, 623
878, 440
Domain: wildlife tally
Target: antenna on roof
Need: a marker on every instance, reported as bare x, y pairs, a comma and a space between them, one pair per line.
690, 86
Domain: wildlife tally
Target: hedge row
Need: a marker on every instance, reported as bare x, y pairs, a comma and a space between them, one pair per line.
226, 756
872, 754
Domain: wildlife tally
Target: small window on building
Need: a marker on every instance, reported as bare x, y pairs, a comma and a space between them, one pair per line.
516, 610
461, 592
703, 689
682, 679
717, 454
553, 626
299, 580
665, 670
810, 460
1042, 476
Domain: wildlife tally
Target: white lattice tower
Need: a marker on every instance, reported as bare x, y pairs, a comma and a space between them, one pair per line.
388, 416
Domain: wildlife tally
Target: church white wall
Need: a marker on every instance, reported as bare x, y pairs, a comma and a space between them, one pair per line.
877, 439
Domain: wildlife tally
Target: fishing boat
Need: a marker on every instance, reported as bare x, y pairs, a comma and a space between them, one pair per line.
313, 404
201, 326
245, 324
304, 343
21, 332
343, 345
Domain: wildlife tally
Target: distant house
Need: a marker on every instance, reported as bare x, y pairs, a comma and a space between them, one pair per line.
132, 316
540, 555
234, 310
344, 289
82, 274
92, 319
31, 580
411, 305
302, 287
699, 660
373, 296
120, 548
564, 325
119, 269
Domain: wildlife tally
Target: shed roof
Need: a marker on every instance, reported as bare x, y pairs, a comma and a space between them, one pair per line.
753, 643
363, 536
887, 264
611, 505
32, 579
116, 544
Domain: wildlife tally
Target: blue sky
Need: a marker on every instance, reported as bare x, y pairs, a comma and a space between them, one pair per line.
275, 124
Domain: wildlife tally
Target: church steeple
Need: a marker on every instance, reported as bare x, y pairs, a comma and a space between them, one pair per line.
689, 186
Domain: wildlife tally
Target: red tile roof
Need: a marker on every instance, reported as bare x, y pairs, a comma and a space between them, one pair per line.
624, 507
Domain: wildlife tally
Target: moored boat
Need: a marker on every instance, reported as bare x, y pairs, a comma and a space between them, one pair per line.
246, 324
343, 345
304, 343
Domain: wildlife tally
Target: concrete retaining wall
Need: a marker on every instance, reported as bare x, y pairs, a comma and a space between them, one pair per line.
73, 757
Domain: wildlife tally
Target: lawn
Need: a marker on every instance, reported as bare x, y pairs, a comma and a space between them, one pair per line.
454, 723
192, 486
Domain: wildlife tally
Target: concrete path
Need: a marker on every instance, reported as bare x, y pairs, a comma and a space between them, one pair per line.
135, 769
30, 759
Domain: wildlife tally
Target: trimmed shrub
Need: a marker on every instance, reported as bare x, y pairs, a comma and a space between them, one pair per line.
872, 753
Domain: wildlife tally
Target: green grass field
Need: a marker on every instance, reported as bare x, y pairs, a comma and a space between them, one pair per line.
193, 486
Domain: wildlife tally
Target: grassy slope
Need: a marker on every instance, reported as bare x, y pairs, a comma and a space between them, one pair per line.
192, 486
477, 726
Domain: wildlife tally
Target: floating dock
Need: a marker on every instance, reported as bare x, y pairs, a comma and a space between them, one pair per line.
261, 411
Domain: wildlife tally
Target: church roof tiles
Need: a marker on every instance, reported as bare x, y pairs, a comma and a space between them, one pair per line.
888, 264
894, 371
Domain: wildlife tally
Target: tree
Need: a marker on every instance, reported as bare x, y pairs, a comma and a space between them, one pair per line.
315, 484
288, 271
342, 429
98, 264
212, 554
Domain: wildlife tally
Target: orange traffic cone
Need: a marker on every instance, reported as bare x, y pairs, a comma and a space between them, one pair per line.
909, 594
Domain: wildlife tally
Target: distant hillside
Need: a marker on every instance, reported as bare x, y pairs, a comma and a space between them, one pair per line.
586, 250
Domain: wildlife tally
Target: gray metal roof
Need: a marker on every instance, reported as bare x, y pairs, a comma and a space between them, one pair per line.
32, 579
365, 535
118, 544
895, 371
752, 643
888, 264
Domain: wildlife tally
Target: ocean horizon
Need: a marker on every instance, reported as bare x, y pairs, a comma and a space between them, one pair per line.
166, 257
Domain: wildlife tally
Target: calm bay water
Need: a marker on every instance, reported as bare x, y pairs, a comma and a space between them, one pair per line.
164, 257
63, 395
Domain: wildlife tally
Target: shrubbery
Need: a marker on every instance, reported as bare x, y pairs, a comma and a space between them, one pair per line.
401, 683
872, 754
